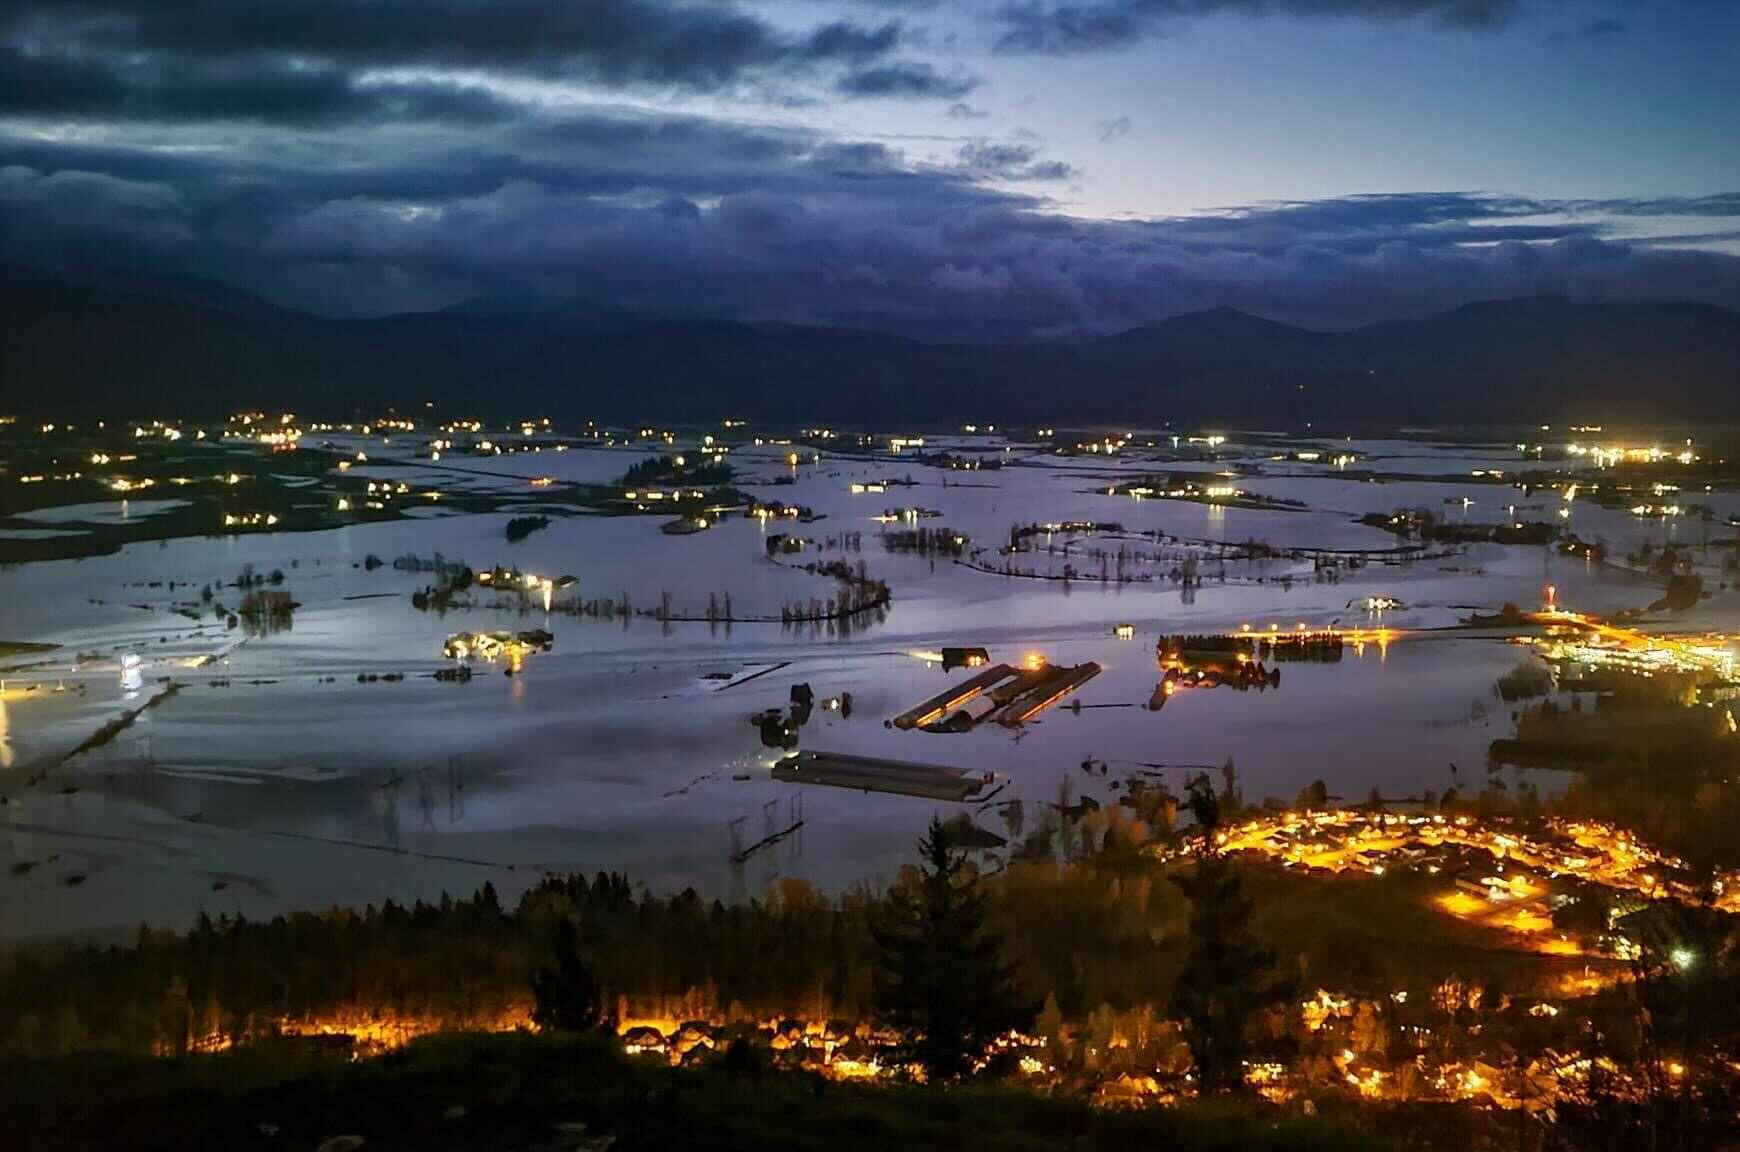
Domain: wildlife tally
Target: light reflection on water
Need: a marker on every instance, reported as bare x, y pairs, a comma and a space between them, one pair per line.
614, 751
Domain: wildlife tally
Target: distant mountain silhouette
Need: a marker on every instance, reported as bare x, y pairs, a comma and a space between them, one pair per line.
1223, 334
142, 348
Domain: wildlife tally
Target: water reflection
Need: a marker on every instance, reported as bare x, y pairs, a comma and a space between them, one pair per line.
643, 761
1208, 671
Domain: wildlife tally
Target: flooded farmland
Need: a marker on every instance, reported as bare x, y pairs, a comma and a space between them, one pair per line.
166, 750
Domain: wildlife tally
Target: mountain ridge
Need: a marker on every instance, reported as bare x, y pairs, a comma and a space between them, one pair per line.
197, 351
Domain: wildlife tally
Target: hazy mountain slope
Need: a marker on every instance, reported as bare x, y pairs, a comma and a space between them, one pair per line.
189, 349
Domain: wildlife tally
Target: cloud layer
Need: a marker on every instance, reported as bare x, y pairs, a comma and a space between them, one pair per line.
733, 219
377, 155
297, 60
1040, 26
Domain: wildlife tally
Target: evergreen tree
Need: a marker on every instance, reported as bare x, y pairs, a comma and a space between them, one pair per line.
565, 996
1226, 977
941, 979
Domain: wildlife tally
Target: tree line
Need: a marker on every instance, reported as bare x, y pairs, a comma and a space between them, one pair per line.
467, 963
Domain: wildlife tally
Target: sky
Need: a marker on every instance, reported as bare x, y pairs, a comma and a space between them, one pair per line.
948, 169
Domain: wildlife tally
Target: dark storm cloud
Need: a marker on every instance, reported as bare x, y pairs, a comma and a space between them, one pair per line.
1037, 26
905, 80
323, 61
698, 45
55, 84
843, 40
267, 90
737, 219
375, 155
94, 205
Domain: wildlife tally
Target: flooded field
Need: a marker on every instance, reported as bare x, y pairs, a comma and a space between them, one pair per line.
165, 757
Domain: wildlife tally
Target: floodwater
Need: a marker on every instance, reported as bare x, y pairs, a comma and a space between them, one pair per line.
275, 779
